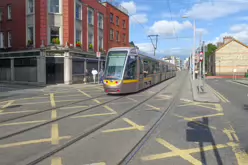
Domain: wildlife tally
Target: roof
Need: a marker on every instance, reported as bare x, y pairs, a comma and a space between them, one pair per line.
230, 42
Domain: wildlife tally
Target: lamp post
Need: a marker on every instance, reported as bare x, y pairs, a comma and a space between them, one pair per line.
193, 51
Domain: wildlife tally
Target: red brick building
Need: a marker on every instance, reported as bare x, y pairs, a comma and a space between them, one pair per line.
87, 23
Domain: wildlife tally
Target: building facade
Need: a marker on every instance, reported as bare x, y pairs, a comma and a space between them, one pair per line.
63, 35
231, 58
117, 21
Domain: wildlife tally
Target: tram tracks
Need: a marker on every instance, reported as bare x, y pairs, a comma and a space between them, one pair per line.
38, 158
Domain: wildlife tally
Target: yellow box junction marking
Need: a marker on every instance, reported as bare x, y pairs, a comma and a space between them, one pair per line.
100, 163
185, 153
87, 95
134, 126
151, 106
16, 112
55, 126
241, 156
212, 106
22, 123
192, 120
31, 142
163, 97
9, 103
220, 96
56, 161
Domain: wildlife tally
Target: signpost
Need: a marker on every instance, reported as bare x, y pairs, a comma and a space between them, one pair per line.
234, 73
200, 69
98, 55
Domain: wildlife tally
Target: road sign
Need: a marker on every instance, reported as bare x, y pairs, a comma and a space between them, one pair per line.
234, 70
98, 54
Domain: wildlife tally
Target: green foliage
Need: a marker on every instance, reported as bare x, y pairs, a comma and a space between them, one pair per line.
55, 41
90, 46
210, 49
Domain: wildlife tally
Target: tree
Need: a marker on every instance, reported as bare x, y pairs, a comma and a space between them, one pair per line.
211, 48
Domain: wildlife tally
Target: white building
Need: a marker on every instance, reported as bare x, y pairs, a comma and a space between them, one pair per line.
170, 59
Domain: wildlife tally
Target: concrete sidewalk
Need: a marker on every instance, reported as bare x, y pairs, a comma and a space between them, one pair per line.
242, 81
201, 94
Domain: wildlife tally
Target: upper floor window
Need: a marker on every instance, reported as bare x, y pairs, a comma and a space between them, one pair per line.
9, 12
111, 17
117, 36
100, 43
31, 34
1, 40
54, 6
1, 14
124, 24
55, 35
90, 17
78, 11
9, 39
30, 6
111, 34
124, 37
78, 36
117, 20
100, 21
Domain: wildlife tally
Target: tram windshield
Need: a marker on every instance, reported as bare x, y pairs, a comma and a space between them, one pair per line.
115, 65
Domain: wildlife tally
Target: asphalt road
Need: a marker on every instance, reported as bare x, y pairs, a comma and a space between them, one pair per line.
237, 110
104, 134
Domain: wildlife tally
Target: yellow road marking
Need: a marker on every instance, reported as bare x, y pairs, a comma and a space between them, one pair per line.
22, 123
217, 107
84, 106
16, 112
56, 161
220, 96
7, 105
188, 119
241, 156
54, 114
199, 117
31, 142
132, 99
87, 95
134, 127
93, 115
185, 154
97, 101
155, 108
109, 109
69, 95
55, 133
52, 100
28, 98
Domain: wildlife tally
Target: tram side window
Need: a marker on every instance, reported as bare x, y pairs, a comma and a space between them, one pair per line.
146, 67
141, 66
131, 68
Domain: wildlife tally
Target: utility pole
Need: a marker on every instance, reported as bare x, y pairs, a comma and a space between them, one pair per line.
203, 44
154, 45
193, 58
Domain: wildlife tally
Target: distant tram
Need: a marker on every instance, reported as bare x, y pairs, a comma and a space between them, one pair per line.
129, 70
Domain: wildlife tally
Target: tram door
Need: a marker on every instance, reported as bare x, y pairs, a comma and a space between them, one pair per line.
141, 74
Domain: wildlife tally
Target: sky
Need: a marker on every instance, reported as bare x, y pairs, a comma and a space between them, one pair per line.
173, 21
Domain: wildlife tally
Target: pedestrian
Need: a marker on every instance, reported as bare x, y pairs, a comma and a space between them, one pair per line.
101, 75
86, 76
94, 73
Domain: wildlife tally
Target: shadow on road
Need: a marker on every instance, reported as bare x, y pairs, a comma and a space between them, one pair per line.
199, 131
246, 107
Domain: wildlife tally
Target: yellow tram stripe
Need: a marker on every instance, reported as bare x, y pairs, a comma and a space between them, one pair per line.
130, 81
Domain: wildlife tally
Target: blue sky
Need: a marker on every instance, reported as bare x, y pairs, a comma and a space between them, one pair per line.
214, 20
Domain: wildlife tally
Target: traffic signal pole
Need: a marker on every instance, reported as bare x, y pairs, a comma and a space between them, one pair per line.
204, 59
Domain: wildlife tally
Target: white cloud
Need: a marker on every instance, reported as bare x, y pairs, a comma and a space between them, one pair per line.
166, 28
146, 47
216, 9
202, 31
139, 18
130, 6
136, 18
239, 32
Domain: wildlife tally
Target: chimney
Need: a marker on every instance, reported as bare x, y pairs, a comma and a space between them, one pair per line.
219, 44
227, 39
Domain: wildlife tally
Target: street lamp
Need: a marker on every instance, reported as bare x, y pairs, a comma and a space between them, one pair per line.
193, 51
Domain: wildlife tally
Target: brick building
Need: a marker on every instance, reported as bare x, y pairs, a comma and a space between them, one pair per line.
67, 33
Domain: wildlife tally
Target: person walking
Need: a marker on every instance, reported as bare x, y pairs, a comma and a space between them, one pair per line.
94, 73
101, 76
86, 76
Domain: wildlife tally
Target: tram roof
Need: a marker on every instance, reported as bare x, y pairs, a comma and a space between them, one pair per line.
137, 51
